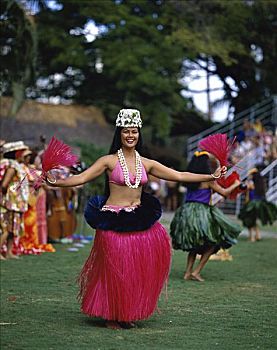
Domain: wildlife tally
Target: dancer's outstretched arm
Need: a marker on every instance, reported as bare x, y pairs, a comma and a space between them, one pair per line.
159, 170
224, 191
95, 170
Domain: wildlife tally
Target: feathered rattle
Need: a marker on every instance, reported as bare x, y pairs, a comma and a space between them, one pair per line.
220, 147
56, 155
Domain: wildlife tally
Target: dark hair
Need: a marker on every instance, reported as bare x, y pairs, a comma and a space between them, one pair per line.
259, 184
198, 165
115, 146
10, 155
116, 143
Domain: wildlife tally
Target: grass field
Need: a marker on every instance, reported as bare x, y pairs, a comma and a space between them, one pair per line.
235, 308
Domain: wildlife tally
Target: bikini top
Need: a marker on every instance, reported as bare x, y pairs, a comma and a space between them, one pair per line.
117, 177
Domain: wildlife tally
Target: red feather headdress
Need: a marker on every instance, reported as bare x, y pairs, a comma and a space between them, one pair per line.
219, 146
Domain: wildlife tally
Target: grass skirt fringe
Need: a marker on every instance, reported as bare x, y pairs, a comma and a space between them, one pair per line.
197, 226
265, 211
125, 273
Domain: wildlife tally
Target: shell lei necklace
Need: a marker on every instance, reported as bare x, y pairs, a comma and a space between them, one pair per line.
125, 170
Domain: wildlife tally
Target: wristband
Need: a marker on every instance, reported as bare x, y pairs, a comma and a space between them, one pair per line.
216, 177
51, 182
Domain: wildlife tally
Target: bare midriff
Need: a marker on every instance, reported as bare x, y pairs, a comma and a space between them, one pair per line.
124, 196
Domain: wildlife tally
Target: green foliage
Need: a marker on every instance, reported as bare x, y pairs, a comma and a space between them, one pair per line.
140, 63
252, 29
18, 52
89, 154
143, 50
239, 37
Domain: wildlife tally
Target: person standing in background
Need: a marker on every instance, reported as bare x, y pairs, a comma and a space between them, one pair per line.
29, 240
14, 192
3, 222
41, 198
256, 206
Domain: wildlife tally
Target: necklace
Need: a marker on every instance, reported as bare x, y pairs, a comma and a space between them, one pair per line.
125, 170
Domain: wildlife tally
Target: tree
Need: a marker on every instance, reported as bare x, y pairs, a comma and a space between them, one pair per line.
239, 38
18, 52
62, 55
140, 65
143, 50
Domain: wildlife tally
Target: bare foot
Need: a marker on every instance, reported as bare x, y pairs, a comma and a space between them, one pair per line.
2, 257
113, 325
197, 277
11, 256
187, 276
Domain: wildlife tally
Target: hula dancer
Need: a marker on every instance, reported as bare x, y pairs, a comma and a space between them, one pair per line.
198, 227
13, 196
129, 263
256, 207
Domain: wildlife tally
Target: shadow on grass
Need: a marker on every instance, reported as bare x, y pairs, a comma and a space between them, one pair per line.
95, 322
92, 322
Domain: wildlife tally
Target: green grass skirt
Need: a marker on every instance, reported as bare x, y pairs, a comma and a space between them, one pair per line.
255, 210
198, 226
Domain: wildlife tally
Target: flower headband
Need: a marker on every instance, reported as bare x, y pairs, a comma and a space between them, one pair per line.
202, 153
129, 118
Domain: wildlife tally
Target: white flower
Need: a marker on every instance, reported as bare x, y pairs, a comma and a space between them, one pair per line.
129, 118
125, 170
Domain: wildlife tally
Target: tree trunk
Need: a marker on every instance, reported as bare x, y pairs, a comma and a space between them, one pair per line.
18, 90
210, 112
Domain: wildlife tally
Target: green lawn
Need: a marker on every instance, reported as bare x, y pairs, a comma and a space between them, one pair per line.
235, 308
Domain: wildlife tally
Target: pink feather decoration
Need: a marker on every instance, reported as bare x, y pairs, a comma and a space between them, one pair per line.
56, 155
219, 146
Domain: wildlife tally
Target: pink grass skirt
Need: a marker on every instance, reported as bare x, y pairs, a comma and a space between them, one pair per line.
125, 273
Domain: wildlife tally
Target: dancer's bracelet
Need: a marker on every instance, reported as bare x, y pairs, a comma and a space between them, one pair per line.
216, 177
51, 182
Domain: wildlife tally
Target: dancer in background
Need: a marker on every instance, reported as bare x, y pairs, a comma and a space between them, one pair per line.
129, 263
256, 207
14, 193
198, 227
61, 215
29, 241
3, 220
41, 198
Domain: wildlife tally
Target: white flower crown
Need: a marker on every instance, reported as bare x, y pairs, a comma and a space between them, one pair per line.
129, 118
